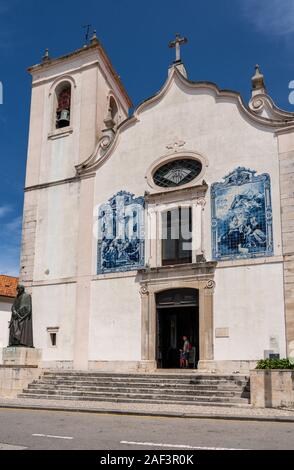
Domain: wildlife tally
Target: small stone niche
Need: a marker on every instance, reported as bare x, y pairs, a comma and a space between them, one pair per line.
52, 333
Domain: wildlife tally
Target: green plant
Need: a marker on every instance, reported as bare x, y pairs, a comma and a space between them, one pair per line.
275, 364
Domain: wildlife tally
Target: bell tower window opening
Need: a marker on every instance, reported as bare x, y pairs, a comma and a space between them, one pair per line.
63, 107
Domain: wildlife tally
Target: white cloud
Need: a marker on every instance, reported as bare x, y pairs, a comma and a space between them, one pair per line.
271, 17
5, 210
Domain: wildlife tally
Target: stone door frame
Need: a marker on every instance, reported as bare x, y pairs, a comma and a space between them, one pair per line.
150, 289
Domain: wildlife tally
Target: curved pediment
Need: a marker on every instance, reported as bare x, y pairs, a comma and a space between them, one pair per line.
261, 111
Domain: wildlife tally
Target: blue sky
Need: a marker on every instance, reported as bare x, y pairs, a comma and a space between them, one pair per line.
226, 39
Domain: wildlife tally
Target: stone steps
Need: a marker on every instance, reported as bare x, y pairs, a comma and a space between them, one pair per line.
138, 380
140, 399
230, 390
125, 385
181, 389
114, 391
166, 376
108, 381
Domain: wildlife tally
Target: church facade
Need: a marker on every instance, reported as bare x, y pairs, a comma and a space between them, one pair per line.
176, 221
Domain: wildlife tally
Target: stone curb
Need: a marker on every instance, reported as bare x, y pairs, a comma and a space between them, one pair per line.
165, 414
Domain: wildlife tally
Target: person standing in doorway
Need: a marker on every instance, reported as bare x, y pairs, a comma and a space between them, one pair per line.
185, 352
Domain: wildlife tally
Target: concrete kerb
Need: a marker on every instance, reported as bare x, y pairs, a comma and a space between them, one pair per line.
165, 414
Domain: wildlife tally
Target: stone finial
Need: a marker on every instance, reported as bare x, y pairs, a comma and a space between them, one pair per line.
94, 39
46, 57
258, 85
180, 67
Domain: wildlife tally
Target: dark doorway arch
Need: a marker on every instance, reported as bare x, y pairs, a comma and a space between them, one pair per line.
177, 316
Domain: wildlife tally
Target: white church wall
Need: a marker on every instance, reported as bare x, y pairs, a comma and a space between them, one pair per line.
54, 308
87, 109
35, 136
249, 304
57, 230
5, 315
216, 130
55, 166
220, 132
115, 322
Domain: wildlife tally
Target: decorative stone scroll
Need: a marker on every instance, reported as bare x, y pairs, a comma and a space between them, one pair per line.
144, 290
210, 284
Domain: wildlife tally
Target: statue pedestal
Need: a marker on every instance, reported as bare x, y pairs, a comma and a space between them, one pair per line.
21, 357
20, 367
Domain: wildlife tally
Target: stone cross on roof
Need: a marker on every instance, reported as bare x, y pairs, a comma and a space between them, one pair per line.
177, 44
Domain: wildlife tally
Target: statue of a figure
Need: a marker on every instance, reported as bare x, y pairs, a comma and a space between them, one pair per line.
21, 326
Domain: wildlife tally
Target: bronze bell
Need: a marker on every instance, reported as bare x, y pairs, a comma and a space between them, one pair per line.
63, 119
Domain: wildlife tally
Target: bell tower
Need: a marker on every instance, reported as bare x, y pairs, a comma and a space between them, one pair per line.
71, 97
74, 98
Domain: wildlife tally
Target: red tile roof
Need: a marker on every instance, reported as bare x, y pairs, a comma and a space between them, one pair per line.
8, 286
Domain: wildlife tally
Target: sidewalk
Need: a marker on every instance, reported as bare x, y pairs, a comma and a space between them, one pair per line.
138, 409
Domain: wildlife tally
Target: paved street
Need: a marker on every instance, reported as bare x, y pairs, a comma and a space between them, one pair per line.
35, 429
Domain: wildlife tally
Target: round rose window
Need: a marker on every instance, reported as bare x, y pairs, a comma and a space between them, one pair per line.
177, 173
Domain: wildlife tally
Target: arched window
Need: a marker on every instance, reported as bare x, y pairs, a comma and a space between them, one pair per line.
63, 105
177, 172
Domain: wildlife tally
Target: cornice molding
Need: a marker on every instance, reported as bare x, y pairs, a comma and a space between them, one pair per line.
84, 51
74, 179
196, 271
192, 192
